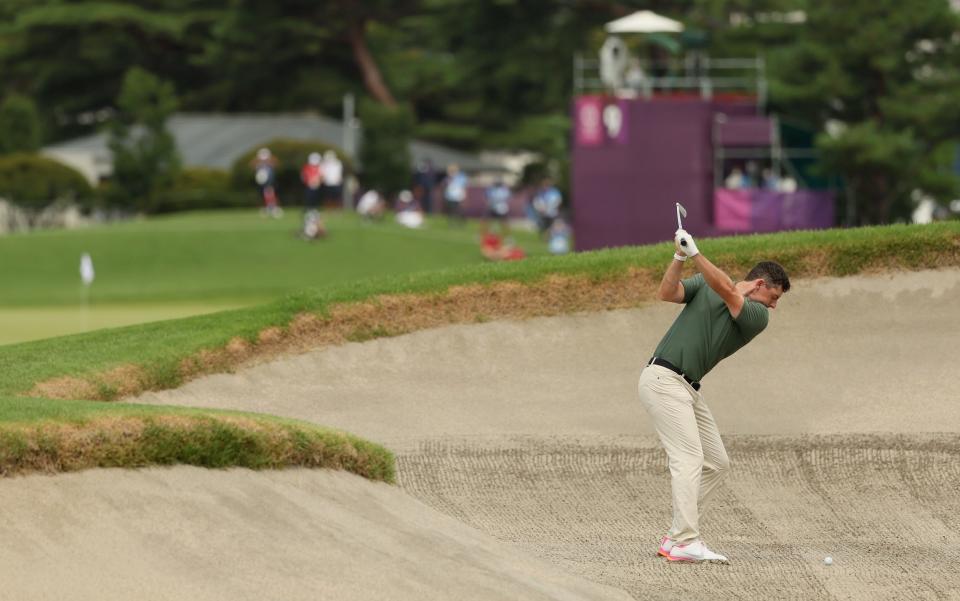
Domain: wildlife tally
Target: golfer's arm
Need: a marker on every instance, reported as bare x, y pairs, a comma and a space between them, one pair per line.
721, 284
670, 287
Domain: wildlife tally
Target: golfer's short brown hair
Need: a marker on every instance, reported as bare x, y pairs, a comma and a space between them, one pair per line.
772, 273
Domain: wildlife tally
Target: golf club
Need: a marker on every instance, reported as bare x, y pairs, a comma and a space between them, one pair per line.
681, 212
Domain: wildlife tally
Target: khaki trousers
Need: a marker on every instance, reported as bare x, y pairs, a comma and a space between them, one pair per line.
688, 433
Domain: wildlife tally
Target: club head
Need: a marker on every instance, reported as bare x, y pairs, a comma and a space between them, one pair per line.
681, 212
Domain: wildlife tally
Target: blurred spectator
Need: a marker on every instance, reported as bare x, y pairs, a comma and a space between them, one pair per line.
313, 226
332, 178
751, 175
454, 193
424, 181
312, 177
559, 236
531, 212
265, 174
546, 203
408, 213
770, 181
788, 184
636, 78
371, 205
493, 248
498, 206
734, 180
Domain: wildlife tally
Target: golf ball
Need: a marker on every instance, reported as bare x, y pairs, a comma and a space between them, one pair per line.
828, 560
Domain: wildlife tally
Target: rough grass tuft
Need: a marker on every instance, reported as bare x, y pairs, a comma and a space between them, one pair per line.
200, 440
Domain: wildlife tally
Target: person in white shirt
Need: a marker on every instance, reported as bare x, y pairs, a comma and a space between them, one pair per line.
454, 193
332, 169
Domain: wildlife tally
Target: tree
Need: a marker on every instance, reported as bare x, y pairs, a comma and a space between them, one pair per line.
145, 159
881, 76
19, 125
385, 153
356, 16
476, 74
491, 74
276, 54
71, 57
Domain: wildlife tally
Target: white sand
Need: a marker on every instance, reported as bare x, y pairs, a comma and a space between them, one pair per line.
194, 534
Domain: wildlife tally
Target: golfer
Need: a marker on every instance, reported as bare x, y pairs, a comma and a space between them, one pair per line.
720, 316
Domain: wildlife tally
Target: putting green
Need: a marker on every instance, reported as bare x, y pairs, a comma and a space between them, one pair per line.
20, 324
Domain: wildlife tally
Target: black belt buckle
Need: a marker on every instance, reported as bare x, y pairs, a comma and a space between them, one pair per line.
674, 369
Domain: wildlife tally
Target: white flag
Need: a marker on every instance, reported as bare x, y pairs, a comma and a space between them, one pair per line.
86, 269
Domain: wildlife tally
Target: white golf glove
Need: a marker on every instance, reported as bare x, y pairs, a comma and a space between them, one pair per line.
686, 243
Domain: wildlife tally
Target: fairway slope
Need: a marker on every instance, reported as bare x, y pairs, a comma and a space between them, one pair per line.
841, 423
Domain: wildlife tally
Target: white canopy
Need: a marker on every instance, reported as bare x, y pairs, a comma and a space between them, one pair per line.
644, 21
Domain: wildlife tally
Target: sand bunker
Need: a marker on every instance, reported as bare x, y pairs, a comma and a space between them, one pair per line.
526, 461
194, 534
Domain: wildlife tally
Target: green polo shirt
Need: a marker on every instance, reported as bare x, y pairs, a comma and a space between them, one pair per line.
705, 333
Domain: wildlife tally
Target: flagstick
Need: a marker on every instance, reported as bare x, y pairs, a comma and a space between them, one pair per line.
85, 308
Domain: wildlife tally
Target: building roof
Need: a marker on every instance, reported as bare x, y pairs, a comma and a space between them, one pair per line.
216, 140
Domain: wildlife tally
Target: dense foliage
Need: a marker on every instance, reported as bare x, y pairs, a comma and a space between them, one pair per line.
385, 154
882, 74
879, 79
19, 125
201, 188
35, 181
145, 159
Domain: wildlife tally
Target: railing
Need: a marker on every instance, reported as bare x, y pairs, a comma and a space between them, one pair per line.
695, 73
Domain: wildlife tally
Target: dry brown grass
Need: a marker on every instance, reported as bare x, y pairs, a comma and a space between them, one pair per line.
118, 382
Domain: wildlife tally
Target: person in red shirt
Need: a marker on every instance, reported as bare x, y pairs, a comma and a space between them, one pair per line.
312, 177
493, 248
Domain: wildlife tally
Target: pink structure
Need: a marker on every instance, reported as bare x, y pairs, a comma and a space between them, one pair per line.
633, 158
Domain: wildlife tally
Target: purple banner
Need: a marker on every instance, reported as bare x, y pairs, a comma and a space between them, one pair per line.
732, 210
755, 210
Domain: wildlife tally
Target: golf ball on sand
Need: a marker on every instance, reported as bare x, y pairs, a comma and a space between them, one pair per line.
827, 560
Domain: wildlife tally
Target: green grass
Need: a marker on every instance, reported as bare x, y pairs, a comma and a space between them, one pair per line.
20, 324
226, 257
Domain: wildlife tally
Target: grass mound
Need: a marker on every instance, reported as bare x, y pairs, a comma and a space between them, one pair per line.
52, 438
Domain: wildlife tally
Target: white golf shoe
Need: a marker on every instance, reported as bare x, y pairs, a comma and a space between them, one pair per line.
694, 552
665, 545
